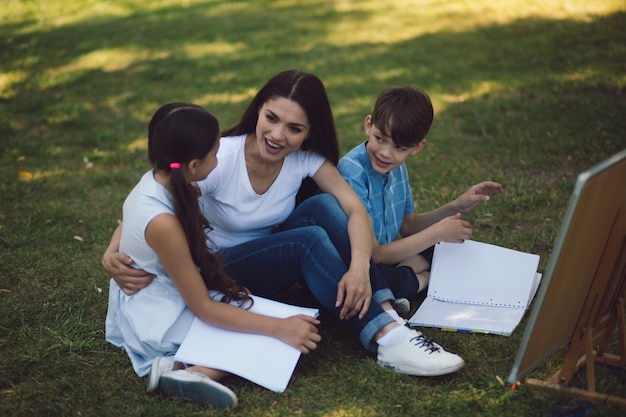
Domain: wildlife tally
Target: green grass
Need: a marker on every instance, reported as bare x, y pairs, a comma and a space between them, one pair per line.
528, 93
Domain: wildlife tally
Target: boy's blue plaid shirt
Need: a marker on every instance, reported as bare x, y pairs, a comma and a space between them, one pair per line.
388, 198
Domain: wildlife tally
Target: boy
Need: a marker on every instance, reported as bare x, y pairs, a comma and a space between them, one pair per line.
376, 170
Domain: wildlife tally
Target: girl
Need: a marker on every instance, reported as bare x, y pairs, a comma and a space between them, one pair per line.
164, 232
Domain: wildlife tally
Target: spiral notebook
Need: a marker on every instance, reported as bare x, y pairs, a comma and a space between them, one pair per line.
477, 287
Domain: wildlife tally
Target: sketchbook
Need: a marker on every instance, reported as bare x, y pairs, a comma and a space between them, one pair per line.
264, 360
478, 288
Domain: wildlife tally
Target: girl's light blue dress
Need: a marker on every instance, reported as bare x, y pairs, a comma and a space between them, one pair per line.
154, 321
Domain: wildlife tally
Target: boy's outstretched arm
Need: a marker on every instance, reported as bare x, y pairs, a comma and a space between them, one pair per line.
422, 230
474, 195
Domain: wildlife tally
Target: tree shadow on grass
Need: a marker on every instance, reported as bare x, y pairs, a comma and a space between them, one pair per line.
198, 53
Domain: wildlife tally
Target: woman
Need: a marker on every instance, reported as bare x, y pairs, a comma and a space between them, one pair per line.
286, 134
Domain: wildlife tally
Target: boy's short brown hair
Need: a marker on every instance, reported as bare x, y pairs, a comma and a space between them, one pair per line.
403, 113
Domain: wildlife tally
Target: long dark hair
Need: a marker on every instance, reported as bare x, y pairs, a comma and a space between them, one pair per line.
180, 133
308, 91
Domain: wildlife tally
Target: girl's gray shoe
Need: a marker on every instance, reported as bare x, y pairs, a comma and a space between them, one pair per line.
196, 387
160, 365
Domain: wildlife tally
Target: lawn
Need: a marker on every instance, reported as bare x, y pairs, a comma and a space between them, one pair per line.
527, 93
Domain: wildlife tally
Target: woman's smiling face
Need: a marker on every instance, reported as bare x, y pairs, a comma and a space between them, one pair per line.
281, 128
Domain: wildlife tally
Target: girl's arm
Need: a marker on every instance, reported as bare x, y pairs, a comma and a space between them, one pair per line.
355, 290
165, 235
118, 266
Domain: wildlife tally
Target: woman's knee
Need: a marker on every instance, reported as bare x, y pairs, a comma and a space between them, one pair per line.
316, 235
327, 213
322, 205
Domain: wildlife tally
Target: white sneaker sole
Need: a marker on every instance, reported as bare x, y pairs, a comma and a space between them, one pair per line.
421, 372
189, 386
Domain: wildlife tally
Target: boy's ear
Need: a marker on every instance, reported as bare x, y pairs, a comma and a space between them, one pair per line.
367, 124
418, 148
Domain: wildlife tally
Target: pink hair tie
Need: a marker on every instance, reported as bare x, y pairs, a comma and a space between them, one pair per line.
174, 165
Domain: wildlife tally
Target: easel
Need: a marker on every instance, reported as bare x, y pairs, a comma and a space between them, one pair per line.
601, 316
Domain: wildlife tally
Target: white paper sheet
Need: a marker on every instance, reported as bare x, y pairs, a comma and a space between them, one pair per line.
263, 360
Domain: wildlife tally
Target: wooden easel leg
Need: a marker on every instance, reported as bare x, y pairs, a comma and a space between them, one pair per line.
577, 354
590, 362
621, 331
618, 360
556, 381
577, 392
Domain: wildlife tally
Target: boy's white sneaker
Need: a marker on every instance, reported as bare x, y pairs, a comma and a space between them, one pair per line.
160, 365
420, 356
196, 387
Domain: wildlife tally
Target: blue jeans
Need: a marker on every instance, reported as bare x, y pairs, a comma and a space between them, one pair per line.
388, 281
271, 264
323, 210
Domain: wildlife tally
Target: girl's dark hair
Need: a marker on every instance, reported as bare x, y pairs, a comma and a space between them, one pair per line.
308, 91
180, 133
405, 114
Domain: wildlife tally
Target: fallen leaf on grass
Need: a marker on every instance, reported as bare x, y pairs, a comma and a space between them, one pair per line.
24, 176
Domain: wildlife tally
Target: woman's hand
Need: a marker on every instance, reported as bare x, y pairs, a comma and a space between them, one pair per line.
354, 294
129, 279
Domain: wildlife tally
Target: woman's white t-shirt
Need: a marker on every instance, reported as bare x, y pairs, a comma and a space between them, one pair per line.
235, 211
